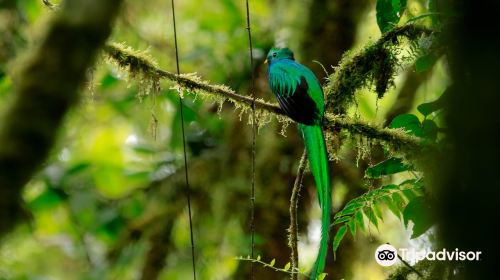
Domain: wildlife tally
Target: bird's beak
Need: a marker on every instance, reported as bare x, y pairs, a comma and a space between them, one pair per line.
265, 61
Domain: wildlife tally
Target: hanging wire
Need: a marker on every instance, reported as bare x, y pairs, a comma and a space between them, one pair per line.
188, 189
254, 143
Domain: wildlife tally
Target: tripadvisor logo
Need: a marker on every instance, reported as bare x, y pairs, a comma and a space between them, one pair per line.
387, 255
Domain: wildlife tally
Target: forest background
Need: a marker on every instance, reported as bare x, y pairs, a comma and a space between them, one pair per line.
92, 182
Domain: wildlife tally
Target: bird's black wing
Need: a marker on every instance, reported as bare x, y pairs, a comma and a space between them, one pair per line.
299, 106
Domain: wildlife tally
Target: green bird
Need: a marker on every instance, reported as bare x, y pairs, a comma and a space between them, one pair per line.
301, 97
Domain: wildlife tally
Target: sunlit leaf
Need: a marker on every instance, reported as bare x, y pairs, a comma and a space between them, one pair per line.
287, 266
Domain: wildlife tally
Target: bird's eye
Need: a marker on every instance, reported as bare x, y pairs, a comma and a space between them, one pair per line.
274, 54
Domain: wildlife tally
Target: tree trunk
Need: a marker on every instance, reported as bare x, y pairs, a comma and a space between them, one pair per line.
46, 90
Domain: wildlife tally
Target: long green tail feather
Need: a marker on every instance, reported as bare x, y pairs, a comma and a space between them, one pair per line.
318, 163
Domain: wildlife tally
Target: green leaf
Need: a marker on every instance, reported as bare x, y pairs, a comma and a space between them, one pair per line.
398, 199
425, 62
419, 212
338, 238
421, 16
377, 210
46, 200
388, 13
342, 220
360, 220
371, 216
392, 206
408, 122
399, 6
373, 193
413, 183
409, 194
273, 261
430, 107
390, 187
434, 10
350, 208
287, 266
352, 227
353, 204
387, 167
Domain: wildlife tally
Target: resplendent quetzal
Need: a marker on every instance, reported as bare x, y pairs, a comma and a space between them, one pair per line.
301, 97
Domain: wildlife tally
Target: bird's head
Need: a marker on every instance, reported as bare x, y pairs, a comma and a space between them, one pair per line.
276, 53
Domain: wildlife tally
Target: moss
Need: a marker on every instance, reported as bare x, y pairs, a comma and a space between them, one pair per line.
374, 65
144, 69
396, 141
140, 66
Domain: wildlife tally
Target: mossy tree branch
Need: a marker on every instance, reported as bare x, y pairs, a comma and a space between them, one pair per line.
47, 88
137, 62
